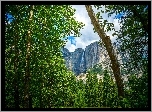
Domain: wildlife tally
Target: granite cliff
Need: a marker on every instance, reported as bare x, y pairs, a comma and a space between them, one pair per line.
81, 60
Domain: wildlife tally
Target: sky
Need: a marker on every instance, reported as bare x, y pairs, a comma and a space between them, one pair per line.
10, 18
88, 36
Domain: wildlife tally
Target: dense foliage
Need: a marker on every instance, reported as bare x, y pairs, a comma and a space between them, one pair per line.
132, 46
35, 70
35, 36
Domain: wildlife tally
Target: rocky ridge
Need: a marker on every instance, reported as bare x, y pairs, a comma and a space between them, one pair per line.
81, 60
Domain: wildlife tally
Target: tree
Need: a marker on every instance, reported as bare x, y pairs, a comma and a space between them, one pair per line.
132, 42
80, 99
107, 42
96, 69
38, 30
137, 94
91, 90
132, 38
109, 91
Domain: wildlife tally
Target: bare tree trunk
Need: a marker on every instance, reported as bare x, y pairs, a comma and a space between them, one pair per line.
27, 75
106, 40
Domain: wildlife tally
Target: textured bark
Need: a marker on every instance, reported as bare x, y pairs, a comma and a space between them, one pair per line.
106, 40
27, 74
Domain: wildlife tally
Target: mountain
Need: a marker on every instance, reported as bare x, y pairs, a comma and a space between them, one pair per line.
75, 60
81, 60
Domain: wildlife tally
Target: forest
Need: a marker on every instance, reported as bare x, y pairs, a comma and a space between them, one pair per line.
35, 71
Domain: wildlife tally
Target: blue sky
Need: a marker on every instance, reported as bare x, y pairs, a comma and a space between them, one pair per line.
10, 18
88, 36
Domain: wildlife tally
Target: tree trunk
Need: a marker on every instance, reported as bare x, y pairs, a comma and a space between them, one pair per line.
16, 73
106, 40
27, 74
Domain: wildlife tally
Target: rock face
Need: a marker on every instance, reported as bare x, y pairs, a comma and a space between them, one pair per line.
92, 55
68, 58
75, 61
81, 60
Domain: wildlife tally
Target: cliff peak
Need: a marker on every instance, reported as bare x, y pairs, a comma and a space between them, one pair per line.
81, 60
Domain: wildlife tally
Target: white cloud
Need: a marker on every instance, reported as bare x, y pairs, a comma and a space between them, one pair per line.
88, 35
